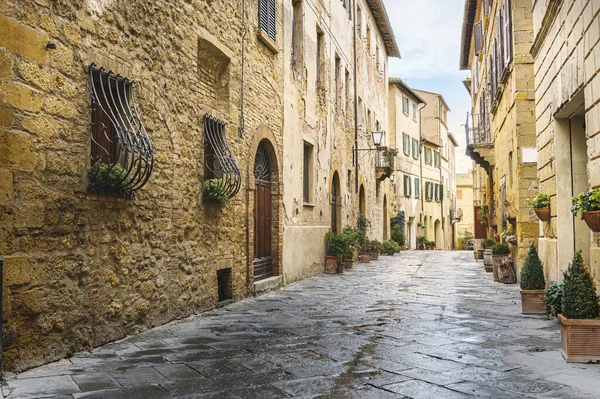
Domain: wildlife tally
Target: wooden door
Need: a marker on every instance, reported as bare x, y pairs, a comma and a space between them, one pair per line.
263, 209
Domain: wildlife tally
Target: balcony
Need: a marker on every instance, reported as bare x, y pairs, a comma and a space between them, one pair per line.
480, 146
384, 162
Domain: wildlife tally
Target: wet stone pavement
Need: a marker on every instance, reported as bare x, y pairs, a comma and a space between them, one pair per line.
420, 324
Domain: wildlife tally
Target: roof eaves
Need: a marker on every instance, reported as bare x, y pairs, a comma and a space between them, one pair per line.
467, 33
385, 27
400, 83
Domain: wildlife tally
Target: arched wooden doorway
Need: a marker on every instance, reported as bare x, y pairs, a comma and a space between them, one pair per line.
362, 200
438, 234
385, 218
263, 213
336, 198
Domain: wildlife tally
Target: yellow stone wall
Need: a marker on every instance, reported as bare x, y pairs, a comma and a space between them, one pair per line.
81, 269
566, 53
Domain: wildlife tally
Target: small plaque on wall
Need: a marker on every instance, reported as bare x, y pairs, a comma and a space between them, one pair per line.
529, 155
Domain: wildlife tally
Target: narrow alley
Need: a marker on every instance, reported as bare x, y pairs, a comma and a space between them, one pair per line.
420, 324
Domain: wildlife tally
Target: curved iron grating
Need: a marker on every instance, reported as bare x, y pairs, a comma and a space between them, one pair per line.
122, 155
223, 165
262, 165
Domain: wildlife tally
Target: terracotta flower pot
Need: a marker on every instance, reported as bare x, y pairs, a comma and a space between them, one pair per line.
580, 340
375, 255
391, 252
592, 219
531, 302
331, 264
543, 213
364, 258
421, 247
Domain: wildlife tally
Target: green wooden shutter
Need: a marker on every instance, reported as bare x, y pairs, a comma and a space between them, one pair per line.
436, 192
441, 192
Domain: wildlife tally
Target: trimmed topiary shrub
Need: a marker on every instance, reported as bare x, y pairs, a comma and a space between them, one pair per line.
579, 300
501, 249
532, 274
553, 299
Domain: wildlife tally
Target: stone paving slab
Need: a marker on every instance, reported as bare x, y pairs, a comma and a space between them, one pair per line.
420, 324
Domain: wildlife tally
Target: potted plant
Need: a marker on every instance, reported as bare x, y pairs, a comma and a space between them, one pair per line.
390, 247
553, 299
488, 262
353, 236
108, 178
588, 204
532, 283
421, 243
499, 252
366, 252
580, 318
540, 205
213, 191
431, 245
337, 247
398, 225
376, 248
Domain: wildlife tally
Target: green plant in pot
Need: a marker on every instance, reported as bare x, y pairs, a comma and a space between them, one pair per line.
108, 178
588, 205
540, 204
580, 318
532, 283
375, 249
390, 247
213, 191
337, 248
421, 242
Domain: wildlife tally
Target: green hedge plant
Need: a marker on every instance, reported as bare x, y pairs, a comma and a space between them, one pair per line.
337, 244
553, 299
488, 243
501, 249
579, 299
389, 246
532, 273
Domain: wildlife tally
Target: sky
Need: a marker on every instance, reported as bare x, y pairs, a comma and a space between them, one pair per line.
428, 35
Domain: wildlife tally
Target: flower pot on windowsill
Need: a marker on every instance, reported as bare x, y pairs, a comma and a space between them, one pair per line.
580, 339
531, 302
543, 213
592, 219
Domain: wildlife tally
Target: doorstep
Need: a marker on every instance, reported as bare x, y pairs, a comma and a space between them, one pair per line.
268, 284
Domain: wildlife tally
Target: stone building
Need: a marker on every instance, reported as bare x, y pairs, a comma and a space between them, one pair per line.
566, 52
464, 205
438, 168
172, 93
335, 96
496, 38
404, 115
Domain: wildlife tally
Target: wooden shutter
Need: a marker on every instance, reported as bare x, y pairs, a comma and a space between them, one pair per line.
508, 43
478, 33
436, 191
441, 192
272, 21
405, 187
479, 228
493, 72
417, 188
267, 18
500, 35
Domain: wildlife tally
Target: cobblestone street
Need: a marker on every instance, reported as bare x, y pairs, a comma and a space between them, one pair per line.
426, 324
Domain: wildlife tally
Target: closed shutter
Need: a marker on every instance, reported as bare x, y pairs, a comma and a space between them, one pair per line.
405, 187
508, 42
441, 192
267, 18
493, 66
500, 35
436, 192
272, 21
417, 188
427, 184
478, 31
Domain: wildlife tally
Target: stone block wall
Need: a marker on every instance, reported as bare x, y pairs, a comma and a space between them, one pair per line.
81, 269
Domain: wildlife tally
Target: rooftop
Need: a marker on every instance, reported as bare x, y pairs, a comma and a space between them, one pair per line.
385, 27
404, 87
464, 179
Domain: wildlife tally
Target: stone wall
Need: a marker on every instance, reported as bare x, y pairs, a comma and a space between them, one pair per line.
566, 51
81, 269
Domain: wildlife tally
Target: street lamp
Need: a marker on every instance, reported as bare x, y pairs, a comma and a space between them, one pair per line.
377, 138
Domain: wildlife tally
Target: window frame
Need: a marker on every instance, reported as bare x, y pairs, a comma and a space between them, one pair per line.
267, 14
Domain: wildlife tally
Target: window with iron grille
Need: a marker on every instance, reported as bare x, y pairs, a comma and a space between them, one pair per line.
267, 17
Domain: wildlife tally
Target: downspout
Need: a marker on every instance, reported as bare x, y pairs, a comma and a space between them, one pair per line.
355, 102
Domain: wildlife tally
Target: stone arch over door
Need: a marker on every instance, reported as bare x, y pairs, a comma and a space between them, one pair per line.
336, 203
264, 209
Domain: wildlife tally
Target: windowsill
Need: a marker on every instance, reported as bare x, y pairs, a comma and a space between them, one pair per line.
406, 113
308, 205
267, 41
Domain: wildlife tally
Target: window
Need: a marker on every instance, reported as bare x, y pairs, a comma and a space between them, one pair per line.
307, 173
297, 34
436, 192
267, 18
368, 40
407, 186
417, 188
405, 104
414, 111
427, 196
368, 129
358, 21
459, 194
348, 92
338, 82
406, 144
507, 30
320, 57
441, 192
377, 57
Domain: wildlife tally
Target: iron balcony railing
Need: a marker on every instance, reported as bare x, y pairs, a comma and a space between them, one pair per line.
477, 129
385, 158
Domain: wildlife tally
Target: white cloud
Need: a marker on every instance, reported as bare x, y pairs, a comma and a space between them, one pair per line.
428, 34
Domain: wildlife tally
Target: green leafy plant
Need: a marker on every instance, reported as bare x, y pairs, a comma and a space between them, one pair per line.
579, 299
112, 178
501, 249
488, 243
213, 190
421, 240
398, 227
483, 213
337, 244
390, 246
553, 299
532, 273
431, 243
375, 245
354, 235
539, 201
586, 202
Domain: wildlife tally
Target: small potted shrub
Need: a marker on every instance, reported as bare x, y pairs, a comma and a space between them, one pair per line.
421, 241
588, 204
376, 248
488, 262
366, 252
532, 283
580, 318
390, 247
213, 192
499, 252
540, 205
353, 235
553, 299
337, 247
431, 245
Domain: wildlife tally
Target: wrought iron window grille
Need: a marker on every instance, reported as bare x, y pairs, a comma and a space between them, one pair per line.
121, 152
223, 171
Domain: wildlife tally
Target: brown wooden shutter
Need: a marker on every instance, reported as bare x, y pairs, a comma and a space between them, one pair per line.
272, 32
500, 53
508, 43
263, 15
479, 228
478, 37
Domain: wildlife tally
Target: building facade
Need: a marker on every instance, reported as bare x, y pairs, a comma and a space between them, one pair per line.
564, 50
496, 39
464, 205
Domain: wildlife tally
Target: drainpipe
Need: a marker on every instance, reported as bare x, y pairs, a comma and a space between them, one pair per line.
355, 101
1, 318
